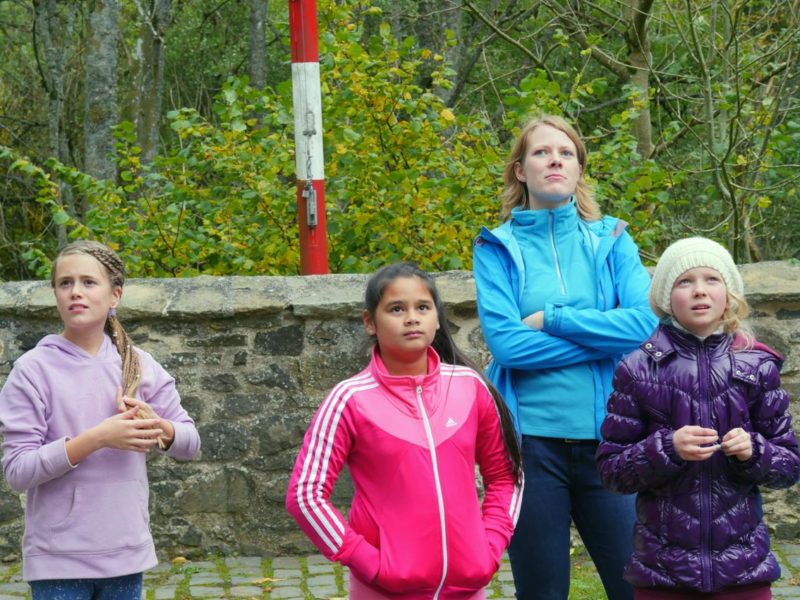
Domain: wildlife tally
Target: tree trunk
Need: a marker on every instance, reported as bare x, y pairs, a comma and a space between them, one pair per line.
101, 91
639, 59
257, 44
151, 77
52, 34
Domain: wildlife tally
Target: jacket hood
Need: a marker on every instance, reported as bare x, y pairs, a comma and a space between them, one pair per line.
73, 353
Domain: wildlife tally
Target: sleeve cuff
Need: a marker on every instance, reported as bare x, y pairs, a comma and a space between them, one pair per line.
551, 318
364, 561
497, 543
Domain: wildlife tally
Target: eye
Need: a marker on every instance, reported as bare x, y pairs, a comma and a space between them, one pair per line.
64, 283
539, 152
569, 153
684, 281
424, 307
396, 309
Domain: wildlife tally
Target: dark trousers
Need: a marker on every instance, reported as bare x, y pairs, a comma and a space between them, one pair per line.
126, 587
562, 485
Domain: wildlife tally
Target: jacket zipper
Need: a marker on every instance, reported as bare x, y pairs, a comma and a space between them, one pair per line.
555, 253
705, 475
438, 483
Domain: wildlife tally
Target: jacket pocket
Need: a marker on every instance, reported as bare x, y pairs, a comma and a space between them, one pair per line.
471, 565
102, 517
408, 564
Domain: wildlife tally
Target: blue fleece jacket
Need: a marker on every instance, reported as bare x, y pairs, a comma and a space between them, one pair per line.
599, 336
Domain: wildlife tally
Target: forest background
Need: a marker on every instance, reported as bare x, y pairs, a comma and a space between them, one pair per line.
165, 129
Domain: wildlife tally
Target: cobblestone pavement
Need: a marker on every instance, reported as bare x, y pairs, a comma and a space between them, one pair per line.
309, 577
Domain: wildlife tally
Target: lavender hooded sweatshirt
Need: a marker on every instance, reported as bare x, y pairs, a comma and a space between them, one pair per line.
89, 520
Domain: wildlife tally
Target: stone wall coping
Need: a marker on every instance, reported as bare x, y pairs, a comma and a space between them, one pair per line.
314, 296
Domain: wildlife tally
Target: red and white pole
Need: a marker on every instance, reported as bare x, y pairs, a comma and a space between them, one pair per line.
309, 159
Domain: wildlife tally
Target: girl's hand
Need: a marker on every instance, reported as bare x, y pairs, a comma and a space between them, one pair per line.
693, 442
127, 432
145, 411
535, 320
737, 442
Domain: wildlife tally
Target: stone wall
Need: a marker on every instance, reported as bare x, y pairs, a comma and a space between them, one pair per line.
254, 356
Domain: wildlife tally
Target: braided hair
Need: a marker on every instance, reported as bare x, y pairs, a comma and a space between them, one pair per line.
131, 368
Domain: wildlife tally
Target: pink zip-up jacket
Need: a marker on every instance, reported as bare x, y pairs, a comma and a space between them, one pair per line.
416, 526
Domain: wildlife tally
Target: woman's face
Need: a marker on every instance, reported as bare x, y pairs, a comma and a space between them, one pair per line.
550, 167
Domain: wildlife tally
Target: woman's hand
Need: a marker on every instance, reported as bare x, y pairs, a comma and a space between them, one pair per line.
693, 442
535, 320
737, 442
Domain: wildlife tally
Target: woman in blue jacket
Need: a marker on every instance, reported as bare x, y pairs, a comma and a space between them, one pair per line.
562, 295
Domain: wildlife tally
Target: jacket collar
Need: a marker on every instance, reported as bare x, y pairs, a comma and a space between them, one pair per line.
602, 235
402, 389
668, 339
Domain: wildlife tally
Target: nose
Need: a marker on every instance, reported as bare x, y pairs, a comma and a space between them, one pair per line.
699, 290
412, 317
555, 160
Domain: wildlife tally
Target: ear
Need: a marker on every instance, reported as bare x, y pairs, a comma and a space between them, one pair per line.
116, 295
518, 171
369, 323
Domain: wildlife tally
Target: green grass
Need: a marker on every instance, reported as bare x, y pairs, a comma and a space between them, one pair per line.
584, 580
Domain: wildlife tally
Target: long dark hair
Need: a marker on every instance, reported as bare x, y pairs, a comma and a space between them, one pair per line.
444, 345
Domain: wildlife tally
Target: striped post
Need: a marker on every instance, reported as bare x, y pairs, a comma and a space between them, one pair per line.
309, 158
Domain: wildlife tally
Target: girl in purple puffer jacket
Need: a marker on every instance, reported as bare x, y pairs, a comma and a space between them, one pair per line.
697, 421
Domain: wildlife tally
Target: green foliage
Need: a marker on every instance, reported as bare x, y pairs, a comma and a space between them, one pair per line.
624, 184
407, 176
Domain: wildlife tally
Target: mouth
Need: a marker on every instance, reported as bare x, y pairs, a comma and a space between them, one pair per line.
77, 307
555, 177
701, 307
412, 334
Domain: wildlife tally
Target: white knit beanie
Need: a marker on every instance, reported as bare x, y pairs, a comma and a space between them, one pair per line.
687, 254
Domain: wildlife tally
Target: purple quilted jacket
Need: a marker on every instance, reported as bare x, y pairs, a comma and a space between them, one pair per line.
698, 524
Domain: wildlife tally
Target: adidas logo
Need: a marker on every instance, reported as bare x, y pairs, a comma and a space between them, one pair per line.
450, 423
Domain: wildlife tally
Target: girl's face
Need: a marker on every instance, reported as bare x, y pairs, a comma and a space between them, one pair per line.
83, 296
404, 323
550, 167
698, 300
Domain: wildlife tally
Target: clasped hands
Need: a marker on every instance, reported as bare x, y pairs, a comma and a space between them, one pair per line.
696, 443
136, 427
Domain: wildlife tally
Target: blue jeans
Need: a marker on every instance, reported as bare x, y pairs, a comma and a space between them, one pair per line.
562, 485
126, 587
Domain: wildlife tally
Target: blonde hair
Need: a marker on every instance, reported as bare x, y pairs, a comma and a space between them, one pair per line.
734, 315
131, 368
516, 192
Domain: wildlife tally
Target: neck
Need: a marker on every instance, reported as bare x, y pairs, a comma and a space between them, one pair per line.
89, 342
414, 368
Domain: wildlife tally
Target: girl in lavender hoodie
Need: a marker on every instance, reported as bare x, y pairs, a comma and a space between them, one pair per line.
79, 412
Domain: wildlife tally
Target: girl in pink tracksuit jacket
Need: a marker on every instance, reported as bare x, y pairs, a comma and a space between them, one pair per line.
411, 429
